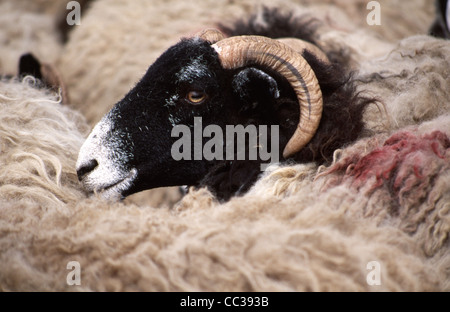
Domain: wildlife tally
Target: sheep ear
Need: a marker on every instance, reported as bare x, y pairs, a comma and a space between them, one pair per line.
252, 83
29, 65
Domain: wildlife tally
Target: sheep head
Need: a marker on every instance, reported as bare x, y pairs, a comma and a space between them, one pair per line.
226, 81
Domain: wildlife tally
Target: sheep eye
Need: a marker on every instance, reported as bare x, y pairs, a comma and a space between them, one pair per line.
196, 97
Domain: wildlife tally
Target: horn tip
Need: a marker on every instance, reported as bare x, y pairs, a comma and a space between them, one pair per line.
288, 152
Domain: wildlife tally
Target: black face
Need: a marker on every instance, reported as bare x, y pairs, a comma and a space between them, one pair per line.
169, 95
131, 148
187, 81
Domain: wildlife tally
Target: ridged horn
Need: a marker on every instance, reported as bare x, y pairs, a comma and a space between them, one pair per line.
300, 46
236, 52
212, 35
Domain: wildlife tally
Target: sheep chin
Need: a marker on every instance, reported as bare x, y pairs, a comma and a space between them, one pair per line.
114, 192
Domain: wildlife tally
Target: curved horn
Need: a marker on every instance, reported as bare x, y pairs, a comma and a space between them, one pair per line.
211, 35
241, 51
300, 46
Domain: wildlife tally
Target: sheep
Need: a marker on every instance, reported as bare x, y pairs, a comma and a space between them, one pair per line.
123, 45
299, 228
132, 147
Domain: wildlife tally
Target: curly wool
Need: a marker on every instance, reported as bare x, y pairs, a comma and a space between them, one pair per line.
412, 81
409, 175
296, 230
399, 182
300, 228
29, 116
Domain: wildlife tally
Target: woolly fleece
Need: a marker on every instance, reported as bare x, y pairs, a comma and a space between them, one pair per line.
385, 198
300, 228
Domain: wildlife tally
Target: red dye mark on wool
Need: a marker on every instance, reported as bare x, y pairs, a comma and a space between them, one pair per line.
405, 161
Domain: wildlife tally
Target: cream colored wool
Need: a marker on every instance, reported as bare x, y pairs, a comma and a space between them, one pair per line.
290, 232
294, 231
300, 228
36, 132
28, 26
417, 70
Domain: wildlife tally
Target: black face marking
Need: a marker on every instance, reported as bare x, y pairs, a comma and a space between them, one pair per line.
143, 120
245, 77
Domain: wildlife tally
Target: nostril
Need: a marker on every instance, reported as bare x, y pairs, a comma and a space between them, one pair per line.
86, 168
